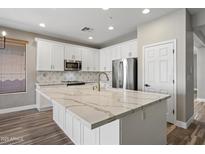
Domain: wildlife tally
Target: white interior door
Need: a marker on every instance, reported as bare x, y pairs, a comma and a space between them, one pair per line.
159, 73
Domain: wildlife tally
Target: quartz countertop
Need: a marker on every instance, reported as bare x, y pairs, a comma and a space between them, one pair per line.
96, 108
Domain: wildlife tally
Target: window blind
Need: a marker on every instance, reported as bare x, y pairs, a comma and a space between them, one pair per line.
13, 67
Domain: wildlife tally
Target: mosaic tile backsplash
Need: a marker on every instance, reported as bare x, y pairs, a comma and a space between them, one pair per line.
57, 77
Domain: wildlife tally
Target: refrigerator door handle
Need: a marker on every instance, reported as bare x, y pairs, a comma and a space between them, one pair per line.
121, 74
125, 73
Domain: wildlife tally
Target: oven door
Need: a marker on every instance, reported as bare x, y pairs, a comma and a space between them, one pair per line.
72, 65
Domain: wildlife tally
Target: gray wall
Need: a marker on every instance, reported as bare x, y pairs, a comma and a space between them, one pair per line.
201, 73
172, 26
28, 98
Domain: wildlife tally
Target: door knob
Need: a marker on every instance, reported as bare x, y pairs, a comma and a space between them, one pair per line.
147, 85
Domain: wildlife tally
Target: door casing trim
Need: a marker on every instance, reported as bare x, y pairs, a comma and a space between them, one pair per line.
174, 41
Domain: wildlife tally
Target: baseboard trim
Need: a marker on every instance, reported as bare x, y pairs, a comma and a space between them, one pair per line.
185, 125
45, 108
200, 99
15, 109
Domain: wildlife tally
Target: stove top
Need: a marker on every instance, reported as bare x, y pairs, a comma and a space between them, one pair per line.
72, 83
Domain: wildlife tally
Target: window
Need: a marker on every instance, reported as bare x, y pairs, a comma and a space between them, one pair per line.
13, 67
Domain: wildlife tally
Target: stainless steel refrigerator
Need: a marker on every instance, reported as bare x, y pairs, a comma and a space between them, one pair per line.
124, 73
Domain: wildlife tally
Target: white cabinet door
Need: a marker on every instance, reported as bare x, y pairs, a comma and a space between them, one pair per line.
102, 60
85, 59
95, 60
116, 52
90, 59
129, 49
57, 57
108, 59
50, 56
133, 48
76, 130
55, 112
61, 116
43, 56
73, 52
90, 136
68, 124
124, 50
108, 130
105, 60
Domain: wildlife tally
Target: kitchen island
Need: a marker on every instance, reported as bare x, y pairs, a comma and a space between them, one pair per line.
111, 116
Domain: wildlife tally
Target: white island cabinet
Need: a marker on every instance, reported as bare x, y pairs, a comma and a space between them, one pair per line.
109, 117
79, 133
146, 126
141, 125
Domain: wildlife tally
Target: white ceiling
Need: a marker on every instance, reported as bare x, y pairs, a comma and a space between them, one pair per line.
67, 23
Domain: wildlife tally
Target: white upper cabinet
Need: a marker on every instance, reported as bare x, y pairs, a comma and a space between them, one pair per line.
50, 56
44, 56
85, 59
57, 57
106, 59
123, 50
90, 59
96, 60
73, 52
132, 50
116, 52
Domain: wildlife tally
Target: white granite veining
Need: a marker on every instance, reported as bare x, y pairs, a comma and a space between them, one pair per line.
98, 108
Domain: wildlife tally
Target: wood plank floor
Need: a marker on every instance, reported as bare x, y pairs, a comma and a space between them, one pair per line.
33, 127
195, 134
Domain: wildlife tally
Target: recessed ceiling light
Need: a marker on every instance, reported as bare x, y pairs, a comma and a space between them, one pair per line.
146, 11
110, 28
42, 25
90, 37
3, 33
105, 9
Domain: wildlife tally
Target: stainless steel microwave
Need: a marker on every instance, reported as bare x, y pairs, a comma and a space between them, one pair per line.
71, 65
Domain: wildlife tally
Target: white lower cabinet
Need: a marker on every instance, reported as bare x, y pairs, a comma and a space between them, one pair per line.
110, 133
59, 115
68, 124
43, 102
147, 126
55, 113
76, 130
79, 133
90, 136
